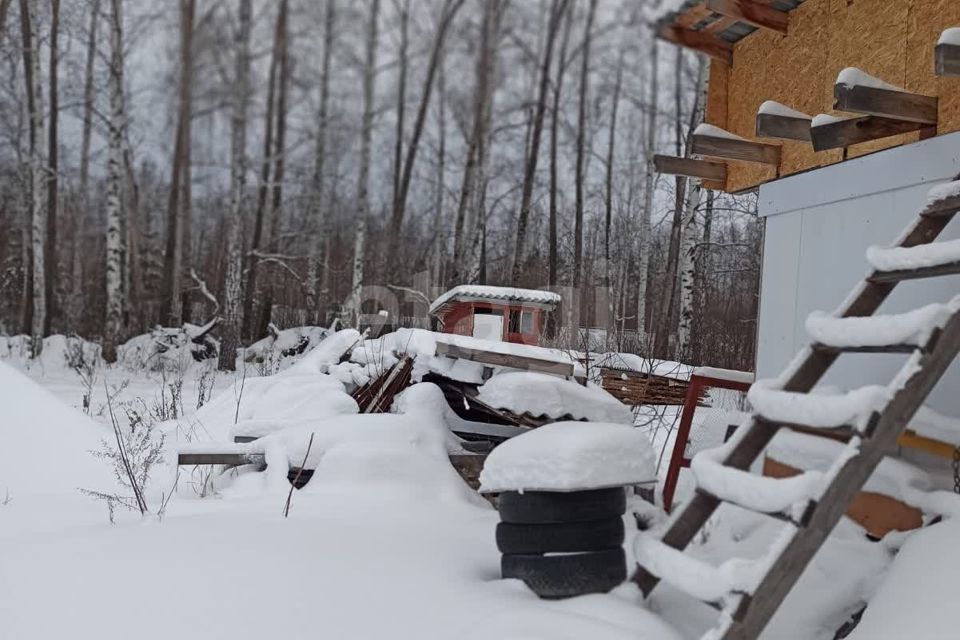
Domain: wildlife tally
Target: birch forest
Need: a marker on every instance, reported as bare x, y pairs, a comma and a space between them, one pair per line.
265, 164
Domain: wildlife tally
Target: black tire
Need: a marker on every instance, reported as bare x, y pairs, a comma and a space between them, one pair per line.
567, 537
567, 575
546, 507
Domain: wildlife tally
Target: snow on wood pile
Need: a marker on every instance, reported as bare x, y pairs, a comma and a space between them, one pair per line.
635, 380
382, 353
918, 257
569, 456
285, 345
539, 395
913, 327
503, 294
821, 410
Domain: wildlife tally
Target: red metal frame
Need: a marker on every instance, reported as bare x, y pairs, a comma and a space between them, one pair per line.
678, 459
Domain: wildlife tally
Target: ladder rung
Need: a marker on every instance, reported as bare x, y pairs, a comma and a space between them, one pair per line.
776, 515
946, 207
890, 348
949, 269
844, 432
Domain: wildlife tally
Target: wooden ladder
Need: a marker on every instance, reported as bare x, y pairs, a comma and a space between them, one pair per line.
744, 615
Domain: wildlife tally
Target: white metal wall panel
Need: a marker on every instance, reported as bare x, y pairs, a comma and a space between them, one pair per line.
818, 227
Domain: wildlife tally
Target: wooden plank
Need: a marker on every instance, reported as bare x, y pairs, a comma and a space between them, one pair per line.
705, 43
771, 125
898, 105
690, 167
734, 149
912, 440
843, 133
751, 12
523, 363
950, 269
947, 58
228, 459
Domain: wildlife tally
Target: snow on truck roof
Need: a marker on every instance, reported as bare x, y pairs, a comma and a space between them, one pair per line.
505, 294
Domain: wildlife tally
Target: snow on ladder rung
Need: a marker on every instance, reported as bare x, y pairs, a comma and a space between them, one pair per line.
786, 498
697, 578
897, 332
818, 410
943, 199
921, 256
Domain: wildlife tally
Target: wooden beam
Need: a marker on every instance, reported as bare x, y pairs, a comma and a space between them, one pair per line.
843, 133
912, 440
705, 43
736, 149
773, 125
886, 103
690, 167
523, 363
947, 58
229, 459
752, 12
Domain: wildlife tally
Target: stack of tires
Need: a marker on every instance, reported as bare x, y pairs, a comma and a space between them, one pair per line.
563, 544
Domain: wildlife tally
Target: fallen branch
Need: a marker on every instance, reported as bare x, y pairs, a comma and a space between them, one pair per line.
296, 478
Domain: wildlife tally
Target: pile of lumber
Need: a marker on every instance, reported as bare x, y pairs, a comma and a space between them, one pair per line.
636, 388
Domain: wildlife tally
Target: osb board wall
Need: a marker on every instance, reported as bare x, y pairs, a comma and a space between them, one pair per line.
893, 40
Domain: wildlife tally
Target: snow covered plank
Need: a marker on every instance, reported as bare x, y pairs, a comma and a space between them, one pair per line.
899, 275
224, 458
705, 43
716, 143
690, 167
947, 53
859, 92
512, 361
839, 133
893, 333
775, 120
752, 12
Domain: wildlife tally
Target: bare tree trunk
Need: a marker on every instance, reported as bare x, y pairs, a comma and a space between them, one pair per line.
233, 279
581, 150
52, 276
352, 304
38, 177
643, 259
172, 303
553, 259
464, 225
279, 154
667, 330
261, 224
557, 9
403, 8
439, 236
79, 217
688, 248
608, 188
115, 137
450, 9
319, 257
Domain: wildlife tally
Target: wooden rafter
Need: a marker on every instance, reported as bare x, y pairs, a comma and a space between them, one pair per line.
735, 149
705, 43
886, 103
690, 167
843, 133
752, 12
783, 127
947, 59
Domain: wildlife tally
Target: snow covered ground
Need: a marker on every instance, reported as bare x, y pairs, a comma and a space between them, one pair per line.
385, 541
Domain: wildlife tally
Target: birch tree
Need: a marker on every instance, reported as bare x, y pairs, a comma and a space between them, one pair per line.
80, 213
38, 173
233, 280
352, 304
51, 277
553, 258
688, 248
114, 201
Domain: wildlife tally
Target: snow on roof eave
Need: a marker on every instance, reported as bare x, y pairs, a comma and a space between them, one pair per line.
483, 293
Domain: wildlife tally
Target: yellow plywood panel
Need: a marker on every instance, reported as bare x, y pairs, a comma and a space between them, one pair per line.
892, 40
